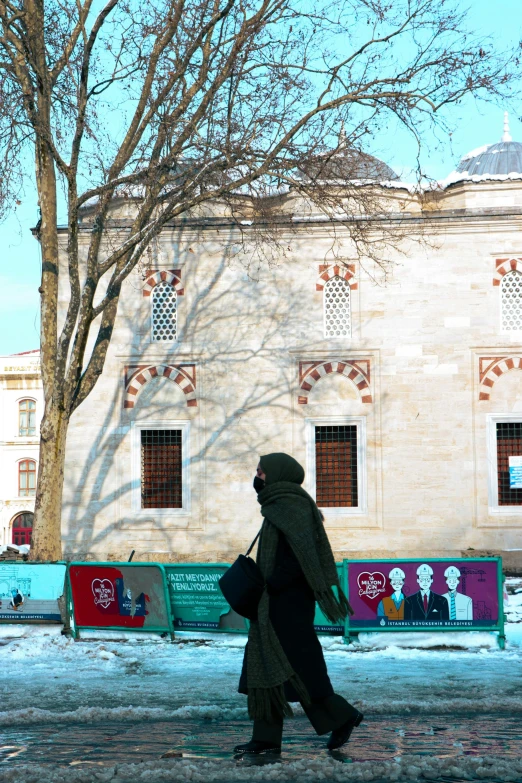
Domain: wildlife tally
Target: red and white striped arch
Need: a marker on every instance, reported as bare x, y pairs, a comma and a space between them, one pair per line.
137, 376
505, 265
155, 276
490, 370
345, 271
358, 372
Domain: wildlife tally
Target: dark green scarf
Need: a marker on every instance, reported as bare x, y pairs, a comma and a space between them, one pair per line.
288, 510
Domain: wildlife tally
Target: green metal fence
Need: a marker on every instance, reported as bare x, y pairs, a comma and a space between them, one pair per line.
386, 595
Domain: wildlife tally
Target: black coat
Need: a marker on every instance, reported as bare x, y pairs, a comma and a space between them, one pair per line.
438, 608
292, 610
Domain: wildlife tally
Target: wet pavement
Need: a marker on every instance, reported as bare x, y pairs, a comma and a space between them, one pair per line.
377, 739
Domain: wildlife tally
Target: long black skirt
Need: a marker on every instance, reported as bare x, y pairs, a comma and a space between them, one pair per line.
292, 615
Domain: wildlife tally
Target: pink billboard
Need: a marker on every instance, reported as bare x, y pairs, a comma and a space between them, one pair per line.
429, 593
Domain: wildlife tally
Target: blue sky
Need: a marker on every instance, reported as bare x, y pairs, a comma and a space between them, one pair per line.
476, 124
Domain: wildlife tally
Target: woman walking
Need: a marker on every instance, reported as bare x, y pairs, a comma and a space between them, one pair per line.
283, 658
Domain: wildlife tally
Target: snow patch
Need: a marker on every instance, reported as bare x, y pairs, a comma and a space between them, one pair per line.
34, 716
471, 640
216, 639
463, 176
16, 631
475, 152
513, 600
405, 768
469, 704
103, 634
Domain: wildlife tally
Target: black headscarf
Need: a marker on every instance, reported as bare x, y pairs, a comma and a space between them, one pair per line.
281, 467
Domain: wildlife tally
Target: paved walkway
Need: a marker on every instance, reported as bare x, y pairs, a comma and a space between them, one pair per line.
376, 740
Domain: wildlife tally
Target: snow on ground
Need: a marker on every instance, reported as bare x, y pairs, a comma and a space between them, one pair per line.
47, 678
411, 768
133, 679
513, 604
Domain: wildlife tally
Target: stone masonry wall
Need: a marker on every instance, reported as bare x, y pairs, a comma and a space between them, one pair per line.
247, 341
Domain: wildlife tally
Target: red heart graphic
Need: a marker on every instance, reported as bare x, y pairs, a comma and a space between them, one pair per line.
372, 588
103, 592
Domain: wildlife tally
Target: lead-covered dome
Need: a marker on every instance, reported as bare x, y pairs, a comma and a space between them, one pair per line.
346, 164
503, 159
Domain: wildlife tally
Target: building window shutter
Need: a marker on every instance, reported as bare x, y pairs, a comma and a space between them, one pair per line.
337, 310
164, 313
336, 466
27, 478
512, 302
161, 469
27, 418
509, 444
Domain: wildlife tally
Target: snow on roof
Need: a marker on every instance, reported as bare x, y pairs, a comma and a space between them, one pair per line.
475, 152
462, 176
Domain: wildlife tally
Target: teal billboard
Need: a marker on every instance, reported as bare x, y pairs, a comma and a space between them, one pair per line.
196, 600
31, 593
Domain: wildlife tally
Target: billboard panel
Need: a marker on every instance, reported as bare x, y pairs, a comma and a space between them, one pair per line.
119, 596
432, 594
29, 593
321, 624
196, 600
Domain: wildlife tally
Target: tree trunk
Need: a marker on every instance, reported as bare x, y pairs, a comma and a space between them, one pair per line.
47, 536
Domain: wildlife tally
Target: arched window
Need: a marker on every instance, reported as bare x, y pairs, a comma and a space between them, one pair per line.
337, 314
27, 478
22, 528
512, 302
27, 418
164, 316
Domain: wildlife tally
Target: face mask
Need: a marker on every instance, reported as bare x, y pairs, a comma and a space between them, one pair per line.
259, 484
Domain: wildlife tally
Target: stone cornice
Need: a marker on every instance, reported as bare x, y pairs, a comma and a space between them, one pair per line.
411, 227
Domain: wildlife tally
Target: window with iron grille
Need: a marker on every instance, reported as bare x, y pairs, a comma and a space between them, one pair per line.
26, 418
161, 469
509, 444
27, 478
511, 288
337, 315
336, 466
164, 312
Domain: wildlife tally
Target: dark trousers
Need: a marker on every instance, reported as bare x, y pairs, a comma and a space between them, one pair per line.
325, 716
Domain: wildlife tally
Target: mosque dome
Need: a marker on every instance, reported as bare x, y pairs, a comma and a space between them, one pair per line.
501, 160
350, 165
347, 164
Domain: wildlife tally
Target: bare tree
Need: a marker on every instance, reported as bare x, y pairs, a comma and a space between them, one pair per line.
175, 103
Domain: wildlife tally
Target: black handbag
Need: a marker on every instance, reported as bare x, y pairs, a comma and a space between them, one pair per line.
242, 584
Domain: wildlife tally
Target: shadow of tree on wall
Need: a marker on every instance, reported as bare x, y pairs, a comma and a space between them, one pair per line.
241, 333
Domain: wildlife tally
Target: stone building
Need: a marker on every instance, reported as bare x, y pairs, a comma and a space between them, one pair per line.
402, 398
21, 408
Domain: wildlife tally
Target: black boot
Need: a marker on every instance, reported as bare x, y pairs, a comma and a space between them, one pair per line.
258, 748
340, 736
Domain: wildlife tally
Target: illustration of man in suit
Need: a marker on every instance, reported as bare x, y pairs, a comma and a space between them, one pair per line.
425, 605
460, 605
392, 606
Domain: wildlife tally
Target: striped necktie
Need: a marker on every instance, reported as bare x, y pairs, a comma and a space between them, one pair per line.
453, 613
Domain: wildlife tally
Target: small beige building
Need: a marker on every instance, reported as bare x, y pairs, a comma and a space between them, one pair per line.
21, 408
401, 397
